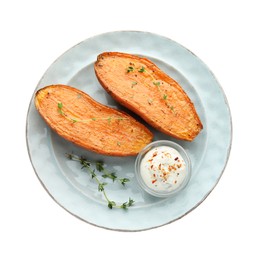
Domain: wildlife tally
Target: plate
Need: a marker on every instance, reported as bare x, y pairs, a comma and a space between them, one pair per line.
73, 189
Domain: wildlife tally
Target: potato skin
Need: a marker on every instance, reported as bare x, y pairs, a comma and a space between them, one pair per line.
80, 119
138, 84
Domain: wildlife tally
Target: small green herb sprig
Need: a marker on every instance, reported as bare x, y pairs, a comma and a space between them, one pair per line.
74, 120
99, 166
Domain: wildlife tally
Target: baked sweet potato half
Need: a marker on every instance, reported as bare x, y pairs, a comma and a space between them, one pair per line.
138, 84
80, 119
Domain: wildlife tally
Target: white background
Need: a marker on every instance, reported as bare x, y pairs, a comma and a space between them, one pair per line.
224, 34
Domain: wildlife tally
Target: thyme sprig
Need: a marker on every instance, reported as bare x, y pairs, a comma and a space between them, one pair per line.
99, 166
74, 120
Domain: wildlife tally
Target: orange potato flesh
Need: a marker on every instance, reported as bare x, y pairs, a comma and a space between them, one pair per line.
78, 118
138, 84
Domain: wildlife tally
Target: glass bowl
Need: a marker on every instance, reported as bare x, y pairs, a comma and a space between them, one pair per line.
162, 171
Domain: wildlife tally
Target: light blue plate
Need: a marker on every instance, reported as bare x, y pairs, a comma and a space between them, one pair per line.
72, 188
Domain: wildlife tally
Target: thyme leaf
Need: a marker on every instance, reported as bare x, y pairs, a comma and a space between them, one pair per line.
111, 176
123, 181
142, 69
99, 166
133, 84
157, 83
101, 186
130, 69
60, 105
111, 204
127, 204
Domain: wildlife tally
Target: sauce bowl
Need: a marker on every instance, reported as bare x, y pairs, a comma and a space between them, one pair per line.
163, 168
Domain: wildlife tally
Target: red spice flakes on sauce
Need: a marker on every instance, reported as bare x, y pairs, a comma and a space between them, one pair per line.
164, 169
167, 155
155, 154
172, 167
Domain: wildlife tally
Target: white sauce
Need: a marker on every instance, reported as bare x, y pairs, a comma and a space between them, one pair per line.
163, 169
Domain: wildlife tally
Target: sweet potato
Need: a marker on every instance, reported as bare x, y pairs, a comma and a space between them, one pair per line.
138, 84
80, 119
